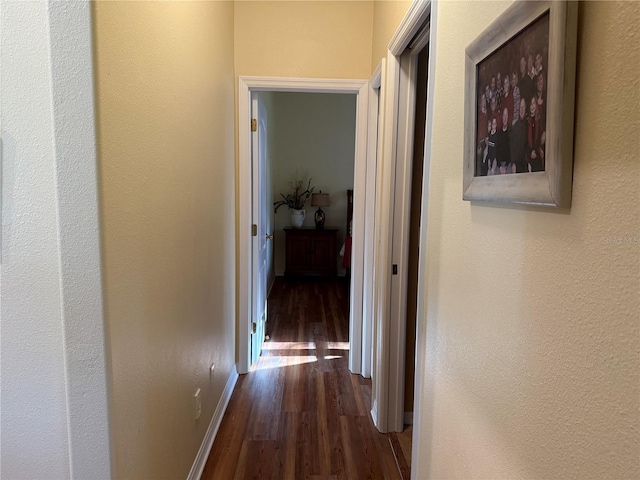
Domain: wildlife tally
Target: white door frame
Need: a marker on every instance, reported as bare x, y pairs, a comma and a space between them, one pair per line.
374, 147
391, 291
421, 306
246, 85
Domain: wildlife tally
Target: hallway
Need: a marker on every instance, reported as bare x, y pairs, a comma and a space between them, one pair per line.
300, 413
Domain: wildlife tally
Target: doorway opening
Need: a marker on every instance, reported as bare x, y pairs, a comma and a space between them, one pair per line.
308, 144
401, 441
248, 229
415, 34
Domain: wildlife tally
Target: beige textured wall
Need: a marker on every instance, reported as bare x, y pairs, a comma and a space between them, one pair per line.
165, 108
532, 315
327, 39
387, 15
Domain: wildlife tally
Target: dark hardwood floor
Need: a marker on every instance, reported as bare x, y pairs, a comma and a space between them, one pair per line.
300, 414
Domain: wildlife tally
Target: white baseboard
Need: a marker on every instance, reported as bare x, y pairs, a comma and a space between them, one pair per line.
214, 425
374, 413
408, 418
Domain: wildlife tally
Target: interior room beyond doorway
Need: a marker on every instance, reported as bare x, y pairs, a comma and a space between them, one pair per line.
311, 139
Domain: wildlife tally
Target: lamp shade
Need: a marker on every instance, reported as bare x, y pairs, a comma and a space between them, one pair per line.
319, 199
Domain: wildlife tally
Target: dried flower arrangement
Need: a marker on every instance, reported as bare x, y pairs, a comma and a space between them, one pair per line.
297, 198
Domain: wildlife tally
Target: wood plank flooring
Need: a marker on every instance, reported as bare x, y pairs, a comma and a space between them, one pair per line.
300, 414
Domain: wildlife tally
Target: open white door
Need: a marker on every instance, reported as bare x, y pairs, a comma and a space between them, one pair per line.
259, 219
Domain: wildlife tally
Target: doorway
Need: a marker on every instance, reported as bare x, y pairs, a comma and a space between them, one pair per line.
401, 441
309, 151
416, 33
247, 86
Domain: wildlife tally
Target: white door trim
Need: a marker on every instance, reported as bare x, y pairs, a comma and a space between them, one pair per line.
388, 376
415, 17
421, 303
384, 199
400, 238
374, 144
246, 85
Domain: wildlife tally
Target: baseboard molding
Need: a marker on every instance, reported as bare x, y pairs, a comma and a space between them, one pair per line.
214, 425
408, 418
374, 413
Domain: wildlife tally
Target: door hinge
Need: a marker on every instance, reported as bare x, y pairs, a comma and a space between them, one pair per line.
254, 327
254, 125
254, 230
395, 269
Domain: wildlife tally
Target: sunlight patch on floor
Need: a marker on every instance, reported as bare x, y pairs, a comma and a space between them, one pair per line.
288, 345
267, 361
276, 354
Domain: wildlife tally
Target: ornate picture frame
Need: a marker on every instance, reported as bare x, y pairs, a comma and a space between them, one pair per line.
511, 155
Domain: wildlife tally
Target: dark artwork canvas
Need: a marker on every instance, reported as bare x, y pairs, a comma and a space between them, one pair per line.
512, 104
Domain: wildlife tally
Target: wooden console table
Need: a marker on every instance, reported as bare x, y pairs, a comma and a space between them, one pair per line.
311, 251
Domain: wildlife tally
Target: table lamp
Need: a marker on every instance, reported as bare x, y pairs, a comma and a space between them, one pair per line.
319, 200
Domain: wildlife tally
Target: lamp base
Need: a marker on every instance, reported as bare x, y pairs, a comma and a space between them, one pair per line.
319, 218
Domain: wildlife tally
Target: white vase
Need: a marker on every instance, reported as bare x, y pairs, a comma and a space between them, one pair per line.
297, 218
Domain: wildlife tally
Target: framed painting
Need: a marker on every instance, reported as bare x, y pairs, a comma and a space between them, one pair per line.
519, 104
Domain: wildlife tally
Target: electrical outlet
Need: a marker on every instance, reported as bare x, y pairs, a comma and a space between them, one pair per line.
211, 368
198, 403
